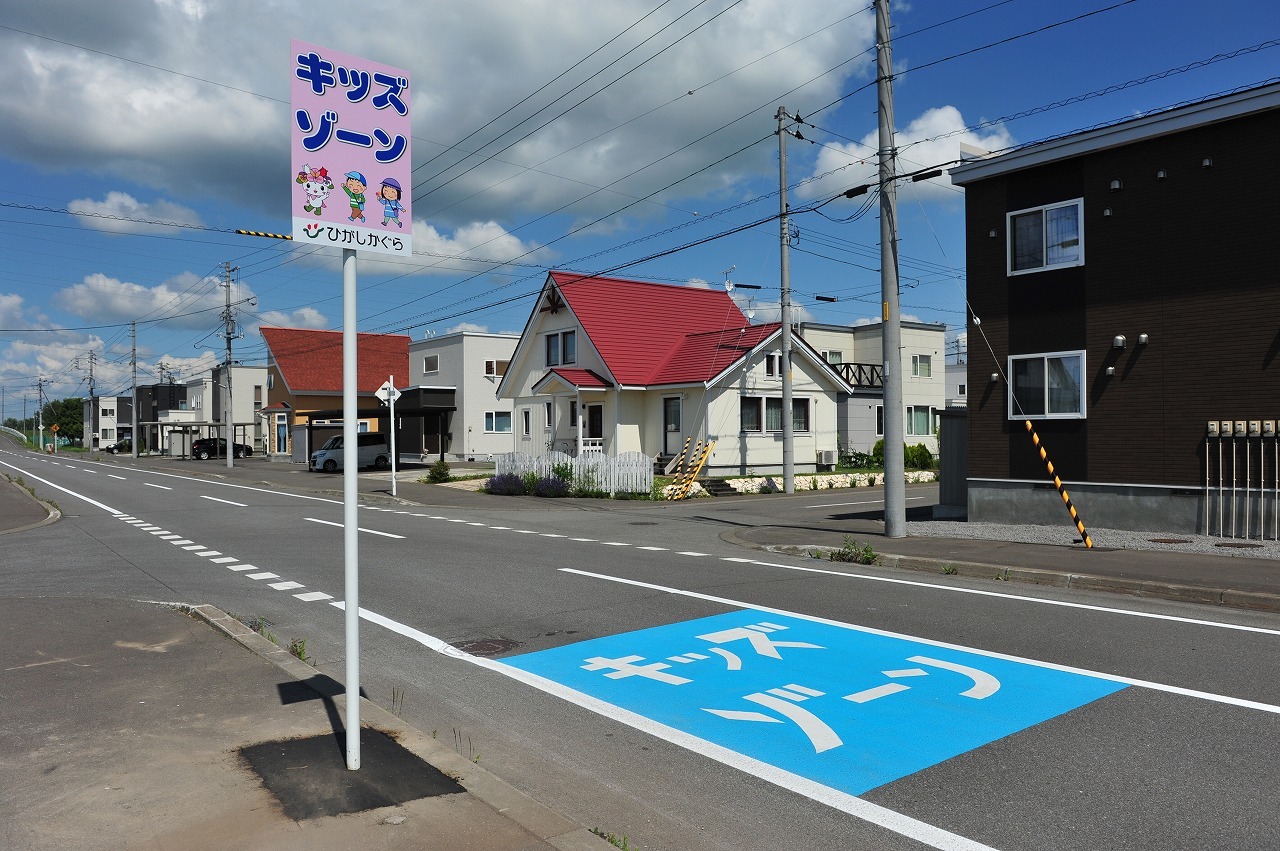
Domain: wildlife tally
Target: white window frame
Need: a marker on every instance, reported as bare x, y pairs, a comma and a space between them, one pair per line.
491, 367
773, 365
491, 422
960, 389
918, 361
1080, 414
556, 346
526, 422
107, 412
427, 368
1045, 264
548, 411
762, 406
827, 353
910, 421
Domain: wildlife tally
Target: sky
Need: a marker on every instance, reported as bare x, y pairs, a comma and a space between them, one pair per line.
635, 138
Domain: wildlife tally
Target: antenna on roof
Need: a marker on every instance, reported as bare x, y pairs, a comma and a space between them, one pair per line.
728, 284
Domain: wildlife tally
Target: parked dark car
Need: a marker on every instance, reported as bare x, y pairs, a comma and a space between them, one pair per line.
119, 446
216, 447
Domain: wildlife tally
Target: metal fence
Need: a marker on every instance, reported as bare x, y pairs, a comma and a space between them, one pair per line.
630, 472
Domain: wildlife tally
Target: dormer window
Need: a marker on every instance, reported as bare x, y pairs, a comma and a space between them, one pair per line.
562, 348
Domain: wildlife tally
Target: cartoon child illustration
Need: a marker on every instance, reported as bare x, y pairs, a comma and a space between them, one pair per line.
389, 195
317, 184
354, 186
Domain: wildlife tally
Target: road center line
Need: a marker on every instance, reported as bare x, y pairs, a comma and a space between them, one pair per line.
226, 501
1111, 610
161, 487
904, 825
1115, 678
358, 528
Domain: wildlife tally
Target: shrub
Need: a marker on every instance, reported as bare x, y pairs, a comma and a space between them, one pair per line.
439, 472
563, 471
530, 479
857, 460
506, 484
918, 457
854, 552
551, 486
877, 453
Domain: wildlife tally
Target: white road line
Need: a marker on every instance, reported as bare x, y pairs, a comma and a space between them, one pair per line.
312, 596
904, 825
614, 544
1111, 610
226, 501
358, 528
690, 554
209, 553
182, 541
114, 476
287, 586
162, 532
92, 502
161, 487
263, 575
170, 537
653, 549
584, 540
194, 547
223, 560
240, 567
1053, 666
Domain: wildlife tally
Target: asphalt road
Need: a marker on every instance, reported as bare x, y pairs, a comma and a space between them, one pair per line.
637, 672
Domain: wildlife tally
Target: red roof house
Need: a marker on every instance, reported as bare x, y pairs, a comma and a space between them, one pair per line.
617, 365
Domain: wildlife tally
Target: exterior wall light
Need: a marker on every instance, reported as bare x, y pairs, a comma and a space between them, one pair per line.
995, 376
1143, 339
1207, 162
1116, 184
1118, 342
1161, 174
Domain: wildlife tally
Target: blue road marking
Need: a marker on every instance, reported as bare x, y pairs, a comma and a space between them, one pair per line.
849, 709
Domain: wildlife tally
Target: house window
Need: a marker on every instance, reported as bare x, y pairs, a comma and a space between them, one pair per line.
1047, 386
562, 348
573, 413
107, 412
430, 364
107, 434
832, 356
496, 368
750, 408
879, 420
546, 408
526, 422
497, 422
1046, 237
257, 396
922, 366
920, 420
960, 390
773, 365
271, 382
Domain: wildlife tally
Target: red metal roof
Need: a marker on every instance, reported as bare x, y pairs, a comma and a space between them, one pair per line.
657, 333
311, 361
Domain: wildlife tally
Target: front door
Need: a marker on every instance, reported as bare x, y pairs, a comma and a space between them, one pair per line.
671, 434
595, 421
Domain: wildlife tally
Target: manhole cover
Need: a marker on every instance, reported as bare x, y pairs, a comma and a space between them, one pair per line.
487, 646
1168, 540
1238, 545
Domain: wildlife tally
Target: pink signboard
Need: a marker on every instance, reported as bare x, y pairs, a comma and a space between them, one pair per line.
350, 137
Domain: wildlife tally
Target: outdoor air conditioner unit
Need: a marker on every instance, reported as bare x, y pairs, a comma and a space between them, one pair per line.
827, 457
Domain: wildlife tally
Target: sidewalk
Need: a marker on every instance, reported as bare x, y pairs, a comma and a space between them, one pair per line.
141, 725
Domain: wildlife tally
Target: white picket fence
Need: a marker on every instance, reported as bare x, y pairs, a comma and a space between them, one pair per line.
630, 472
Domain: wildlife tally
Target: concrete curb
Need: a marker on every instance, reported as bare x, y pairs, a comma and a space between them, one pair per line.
1204, 595
543, 822
52, 515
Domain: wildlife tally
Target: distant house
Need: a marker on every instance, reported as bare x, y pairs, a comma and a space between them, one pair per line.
304, 382
616, 365
107, 419
857, 354
1125, 279
471, 363
957, 384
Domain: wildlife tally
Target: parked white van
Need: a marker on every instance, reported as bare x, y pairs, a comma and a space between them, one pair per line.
372, 447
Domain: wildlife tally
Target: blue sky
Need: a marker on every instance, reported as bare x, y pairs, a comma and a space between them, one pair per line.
571, 135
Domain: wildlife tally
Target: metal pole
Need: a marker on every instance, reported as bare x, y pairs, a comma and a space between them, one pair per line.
895, 496
350, 504
228, 418
133, 401
392, 397
788, 426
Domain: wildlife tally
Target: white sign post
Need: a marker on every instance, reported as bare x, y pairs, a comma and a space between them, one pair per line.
350, 132
389, 394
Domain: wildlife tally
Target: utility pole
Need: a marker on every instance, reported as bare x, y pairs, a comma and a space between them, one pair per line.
133, 406
895, 497
229, 331
93, 402
788, 425
40, 408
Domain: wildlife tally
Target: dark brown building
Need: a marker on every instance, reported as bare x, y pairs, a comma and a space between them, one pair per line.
1125, 299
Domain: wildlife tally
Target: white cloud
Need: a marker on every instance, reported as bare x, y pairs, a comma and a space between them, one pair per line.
194, 302
120, 212
468, 326
931, 139
303, 317
488, 242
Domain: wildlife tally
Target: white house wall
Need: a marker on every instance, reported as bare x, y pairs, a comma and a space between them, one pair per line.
462, 356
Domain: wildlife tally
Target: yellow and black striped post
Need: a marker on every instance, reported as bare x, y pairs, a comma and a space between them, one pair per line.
1062, 492
267, 235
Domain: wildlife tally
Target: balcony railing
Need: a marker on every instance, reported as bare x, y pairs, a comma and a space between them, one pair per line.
861, 375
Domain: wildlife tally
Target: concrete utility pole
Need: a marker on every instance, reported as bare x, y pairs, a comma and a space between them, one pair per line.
788, 425
895, 497
40, 409
229, 324
133, 404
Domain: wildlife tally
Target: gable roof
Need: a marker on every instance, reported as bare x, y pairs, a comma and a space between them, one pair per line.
644, 331
311, 361
573, 379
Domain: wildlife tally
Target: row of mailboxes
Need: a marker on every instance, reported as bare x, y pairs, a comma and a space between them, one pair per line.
1242, 428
